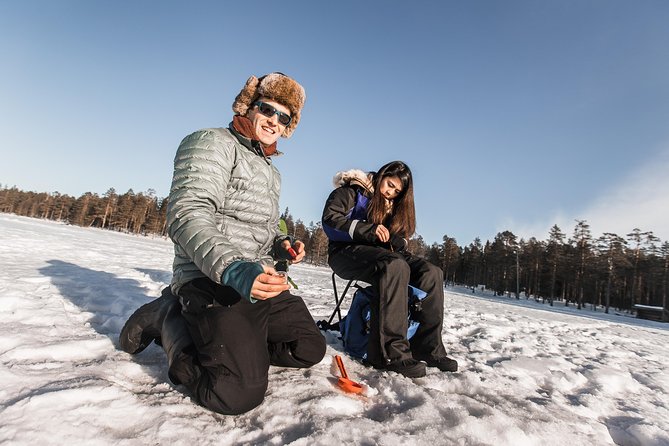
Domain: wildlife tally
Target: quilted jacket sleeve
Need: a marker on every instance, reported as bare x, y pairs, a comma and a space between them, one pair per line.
202, 170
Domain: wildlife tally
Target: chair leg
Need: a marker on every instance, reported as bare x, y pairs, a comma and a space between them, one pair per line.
339, 299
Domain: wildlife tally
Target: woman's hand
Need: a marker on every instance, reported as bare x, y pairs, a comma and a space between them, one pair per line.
269, 284
382, 233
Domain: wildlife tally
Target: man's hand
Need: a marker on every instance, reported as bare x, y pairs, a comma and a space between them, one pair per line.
297, 248
269, 284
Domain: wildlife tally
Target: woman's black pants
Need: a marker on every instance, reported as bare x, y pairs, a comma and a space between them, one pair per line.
390, 274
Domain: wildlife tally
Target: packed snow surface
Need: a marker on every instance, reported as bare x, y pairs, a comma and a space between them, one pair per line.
529, 374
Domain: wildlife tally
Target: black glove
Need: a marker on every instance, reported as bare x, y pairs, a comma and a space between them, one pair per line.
281, 253
397, 243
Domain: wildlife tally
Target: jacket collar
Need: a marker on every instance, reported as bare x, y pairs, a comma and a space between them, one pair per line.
253, 146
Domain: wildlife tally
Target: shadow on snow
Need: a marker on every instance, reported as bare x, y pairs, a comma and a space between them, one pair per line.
110, 300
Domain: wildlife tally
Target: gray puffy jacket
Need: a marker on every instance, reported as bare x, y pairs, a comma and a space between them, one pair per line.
223, 205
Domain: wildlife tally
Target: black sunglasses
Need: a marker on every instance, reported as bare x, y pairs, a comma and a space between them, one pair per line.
269, 111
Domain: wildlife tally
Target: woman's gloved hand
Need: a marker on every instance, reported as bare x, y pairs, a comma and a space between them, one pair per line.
397, 243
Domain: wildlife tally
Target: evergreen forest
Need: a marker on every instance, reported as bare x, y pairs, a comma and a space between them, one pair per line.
610, 272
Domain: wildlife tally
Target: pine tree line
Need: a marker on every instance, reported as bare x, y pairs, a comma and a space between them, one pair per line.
610, 271
141, 213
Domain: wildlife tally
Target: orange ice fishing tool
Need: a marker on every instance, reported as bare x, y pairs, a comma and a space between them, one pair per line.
344, 382
292, 252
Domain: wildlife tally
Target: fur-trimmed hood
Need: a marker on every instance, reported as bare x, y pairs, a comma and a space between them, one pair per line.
354, 177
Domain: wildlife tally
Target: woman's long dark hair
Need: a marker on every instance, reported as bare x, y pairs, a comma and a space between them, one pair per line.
402, 218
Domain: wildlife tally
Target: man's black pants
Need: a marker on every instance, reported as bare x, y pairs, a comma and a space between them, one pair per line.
235, 341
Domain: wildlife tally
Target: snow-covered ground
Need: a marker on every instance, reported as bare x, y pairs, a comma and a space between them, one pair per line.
529, 375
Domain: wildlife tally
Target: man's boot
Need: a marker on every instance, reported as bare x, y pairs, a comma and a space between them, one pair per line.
146, 323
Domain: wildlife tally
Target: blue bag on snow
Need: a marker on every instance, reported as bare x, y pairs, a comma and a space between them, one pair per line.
354, 327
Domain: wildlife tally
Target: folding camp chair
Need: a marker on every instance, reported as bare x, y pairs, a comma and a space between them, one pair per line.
339, 299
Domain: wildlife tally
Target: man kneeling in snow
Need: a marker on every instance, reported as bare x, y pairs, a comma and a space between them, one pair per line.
228, 314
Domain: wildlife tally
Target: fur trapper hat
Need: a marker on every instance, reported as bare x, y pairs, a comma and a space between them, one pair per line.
276, 87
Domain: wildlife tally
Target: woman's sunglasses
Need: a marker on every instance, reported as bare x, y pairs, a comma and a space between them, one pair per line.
269, 111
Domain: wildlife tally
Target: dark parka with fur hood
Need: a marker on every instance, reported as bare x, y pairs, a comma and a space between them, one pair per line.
345, 213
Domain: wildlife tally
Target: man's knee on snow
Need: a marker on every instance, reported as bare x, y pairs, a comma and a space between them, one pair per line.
312, 352
299, 354
233, 398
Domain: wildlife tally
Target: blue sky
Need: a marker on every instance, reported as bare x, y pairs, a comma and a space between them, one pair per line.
512, 114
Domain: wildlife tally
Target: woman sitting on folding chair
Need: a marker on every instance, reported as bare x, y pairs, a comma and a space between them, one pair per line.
368, 218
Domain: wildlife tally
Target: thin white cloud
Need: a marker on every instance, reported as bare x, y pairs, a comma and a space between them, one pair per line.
540, 229
640, 200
